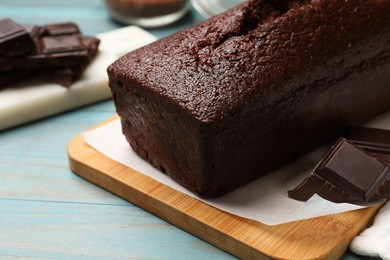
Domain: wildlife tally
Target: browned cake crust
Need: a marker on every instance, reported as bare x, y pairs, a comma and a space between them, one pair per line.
222, 103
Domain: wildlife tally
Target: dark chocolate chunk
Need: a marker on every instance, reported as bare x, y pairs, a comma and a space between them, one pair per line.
66, 76
52, 51
8, 78
14, 39
34, 31
61, 29
60, 52
353, 170
60, 43
346, 174
373, 140
91, 44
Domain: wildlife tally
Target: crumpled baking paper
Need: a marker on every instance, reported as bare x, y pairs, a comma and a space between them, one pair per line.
264, 200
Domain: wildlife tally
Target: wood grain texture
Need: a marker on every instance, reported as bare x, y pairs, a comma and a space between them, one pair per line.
318, 238
52, 230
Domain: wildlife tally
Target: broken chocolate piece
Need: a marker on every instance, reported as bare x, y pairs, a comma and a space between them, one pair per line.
353, 170
91, 44
346, 174
14, 39
66, 76
60, 44
60, 52
373, 140
33, 30
52, 51
61, 29
9, 78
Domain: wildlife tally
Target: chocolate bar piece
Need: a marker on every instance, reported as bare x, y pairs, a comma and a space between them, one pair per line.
63, 76
346, 174
91, 44
9, 78
60, 44
60, 52
34, 31
66, 76
52, 51
14, 39
60, 29
373, 140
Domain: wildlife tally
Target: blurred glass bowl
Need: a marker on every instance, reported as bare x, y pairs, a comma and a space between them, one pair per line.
210, 8
147, 13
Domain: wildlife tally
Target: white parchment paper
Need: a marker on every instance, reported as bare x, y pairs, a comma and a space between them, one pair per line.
264, 200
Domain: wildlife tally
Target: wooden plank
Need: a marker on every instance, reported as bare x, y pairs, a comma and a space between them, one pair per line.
34, 164
47, 212
318, 238
53, 230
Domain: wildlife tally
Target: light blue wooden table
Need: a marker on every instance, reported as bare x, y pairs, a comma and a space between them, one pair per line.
46, 211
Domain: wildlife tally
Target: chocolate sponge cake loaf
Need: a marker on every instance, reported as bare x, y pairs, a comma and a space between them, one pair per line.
222, 103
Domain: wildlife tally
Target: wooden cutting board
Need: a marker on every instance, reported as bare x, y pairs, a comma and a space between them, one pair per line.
318, 238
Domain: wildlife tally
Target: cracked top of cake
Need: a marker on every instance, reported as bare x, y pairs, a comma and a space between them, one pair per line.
255, 51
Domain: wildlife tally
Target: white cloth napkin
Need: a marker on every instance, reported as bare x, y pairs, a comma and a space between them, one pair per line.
375, 240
